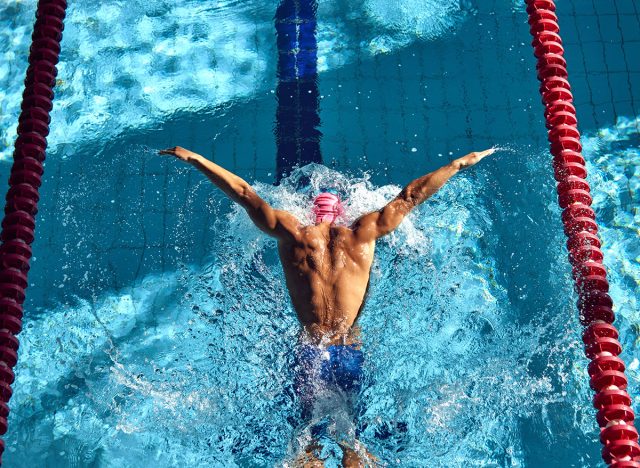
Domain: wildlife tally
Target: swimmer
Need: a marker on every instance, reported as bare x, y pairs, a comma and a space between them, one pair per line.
327, 270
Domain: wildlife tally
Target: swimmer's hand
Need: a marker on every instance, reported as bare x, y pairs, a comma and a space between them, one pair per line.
473, 158
180, 153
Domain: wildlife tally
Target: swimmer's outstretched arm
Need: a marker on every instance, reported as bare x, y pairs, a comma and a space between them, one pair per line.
277, 223
382, 222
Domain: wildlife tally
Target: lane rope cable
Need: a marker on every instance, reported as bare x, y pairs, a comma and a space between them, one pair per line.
18, 224
606, 370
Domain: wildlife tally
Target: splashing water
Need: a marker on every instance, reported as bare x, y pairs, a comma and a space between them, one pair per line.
507, 148
194, 367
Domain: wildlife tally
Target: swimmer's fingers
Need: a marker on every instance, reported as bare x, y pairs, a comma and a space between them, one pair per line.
178, 152
474, 158
485, 153
170, 151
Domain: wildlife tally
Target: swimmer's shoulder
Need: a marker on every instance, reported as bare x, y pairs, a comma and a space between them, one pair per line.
351, 241
305, 235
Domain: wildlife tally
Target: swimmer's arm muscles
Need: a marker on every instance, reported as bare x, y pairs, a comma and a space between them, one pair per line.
277, 223
384, 221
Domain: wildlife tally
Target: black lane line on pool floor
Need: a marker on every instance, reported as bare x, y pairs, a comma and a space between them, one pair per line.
297, 116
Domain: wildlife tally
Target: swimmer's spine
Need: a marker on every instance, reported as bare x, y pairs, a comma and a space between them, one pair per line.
606, 370
18, 225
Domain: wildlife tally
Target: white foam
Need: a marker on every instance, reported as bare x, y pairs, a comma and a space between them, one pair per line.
203, 356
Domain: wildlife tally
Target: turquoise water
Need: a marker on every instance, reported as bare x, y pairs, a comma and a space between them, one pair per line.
159, 330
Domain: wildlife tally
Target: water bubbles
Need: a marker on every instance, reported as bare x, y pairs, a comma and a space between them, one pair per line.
508, 148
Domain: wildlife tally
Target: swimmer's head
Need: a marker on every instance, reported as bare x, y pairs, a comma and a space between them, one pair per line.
327, 206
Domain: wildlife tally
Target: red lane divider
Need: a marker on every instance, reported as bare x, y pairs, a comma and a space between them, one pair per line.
19, 224
606, 370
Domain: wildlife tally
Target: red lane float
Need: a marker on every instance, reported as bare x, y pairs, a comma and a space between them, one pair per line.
606, 370
18, 225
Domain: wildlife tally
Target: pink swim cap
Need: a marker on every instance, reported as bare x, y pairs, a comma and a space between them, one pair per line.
327, 207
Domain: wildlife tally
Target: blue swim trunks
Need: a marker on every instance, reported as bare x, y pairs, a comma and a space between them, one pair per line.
335, 368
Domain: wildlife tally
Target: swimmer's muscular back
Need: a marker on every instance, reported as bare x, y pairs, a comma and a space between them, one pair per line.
326, 266
327, 272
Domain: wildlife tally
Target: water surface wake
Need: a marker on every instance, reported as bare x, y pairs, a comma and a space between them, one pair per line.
193, 367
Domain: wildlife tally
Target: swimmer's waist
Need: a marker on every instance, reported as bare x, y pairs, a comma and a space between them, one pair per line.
324, 335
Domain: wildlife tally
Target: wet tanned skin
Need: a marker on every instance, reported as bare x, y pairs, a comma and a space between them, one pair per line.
327, 272
327, 267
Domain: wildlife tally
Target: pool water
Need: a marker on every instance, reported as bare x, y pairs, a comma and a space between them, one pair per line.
158, 330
